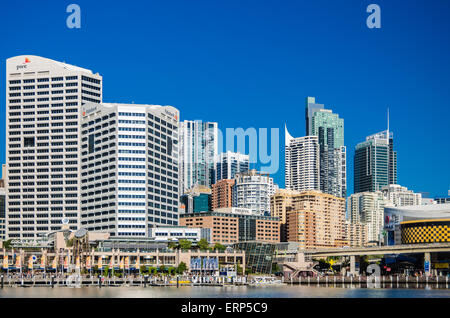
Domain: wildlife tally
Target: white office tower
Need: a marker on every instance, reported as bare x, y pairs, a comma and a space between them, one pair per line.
252, 190
229, 163
129, 175
368, 208
198, 152
43, 102
302, 172
401, 196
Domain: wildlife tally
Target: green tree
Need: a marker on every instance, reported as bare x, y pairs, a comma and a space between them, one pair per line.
203, 244
276, 268
185, 244
69, 242
181, 268
143, 270
219, 247
106, 271
363, 263
7, 244
173, 245
171, 270
162, 269
239, 269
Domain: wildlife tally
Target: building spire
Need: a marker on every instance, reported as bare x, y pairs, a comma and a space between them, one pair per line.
387, 135
287, 136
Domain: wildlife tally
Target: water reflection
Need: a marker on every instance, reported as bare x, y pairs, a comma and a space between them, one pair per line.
220, 292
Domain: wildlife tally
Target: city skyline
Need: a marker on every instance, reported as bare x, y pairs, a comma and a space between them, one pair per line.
373, 89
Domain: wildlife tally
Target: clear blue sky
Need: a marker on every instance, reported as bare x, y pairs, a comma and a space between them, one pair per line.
251, 63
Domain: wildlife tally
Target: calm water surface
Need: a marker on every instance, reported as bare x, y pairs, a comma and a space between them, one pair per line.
220, 292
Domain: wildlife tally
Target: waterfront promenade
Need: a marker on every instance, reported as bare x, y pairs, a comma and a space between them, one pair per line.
65, 280
51, 280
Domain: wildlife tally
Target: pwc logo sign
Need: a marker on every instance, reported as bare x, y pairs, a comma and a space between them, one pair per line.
24, 64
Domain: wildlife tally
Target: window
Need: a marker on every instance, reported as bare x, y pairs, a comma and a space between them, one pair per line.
91, 143
28, 142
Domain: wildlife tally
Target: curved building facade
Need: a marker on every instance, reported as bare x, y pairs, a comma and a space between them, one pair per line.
402, 223
425, 231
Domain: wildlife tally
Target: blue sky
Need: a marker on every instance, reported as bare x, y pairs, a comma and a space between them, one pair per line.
251, 63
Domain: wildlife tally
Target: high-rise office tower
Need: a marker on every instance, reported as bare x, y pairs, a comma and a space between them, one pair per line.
229, 163
198, 152
329, 128
252, 190
129, 173
375, 163
302, 172
311, 108
43, 101
2, 213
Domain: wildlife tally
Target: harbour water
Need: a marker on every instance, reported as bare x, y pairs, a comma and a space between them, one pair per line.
279, 291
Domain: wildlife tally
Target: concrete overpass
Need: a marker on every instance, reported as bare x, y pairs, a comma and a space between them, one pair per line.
380, 250
355, 252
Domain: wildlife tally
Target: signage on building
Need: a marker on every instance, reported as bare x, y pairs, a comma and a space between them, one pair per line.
204, 263
23, 243
427, 266
170, 114
87, 111
23, 65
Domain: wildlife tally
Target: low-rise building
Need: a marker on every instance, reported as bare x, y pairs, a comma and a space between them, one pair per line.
229, 227
259, 256
176, 233
196, 199
417, 224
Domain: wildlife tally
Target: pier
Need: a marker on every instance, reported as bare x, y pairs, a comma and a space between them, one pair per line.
393, 281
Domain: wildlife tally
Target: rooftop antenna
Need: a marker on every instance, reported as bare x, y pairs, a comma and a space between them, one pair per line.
387, 136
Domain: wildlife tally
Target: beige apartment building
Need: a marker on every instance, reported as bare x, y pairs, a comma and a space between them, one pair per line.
316, 220
357, 234
280, 202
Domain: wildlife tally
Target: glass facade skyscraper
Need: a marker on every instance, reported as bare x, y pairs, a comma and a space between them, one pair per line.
329, 128
229, 163
198, 152
375, 163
